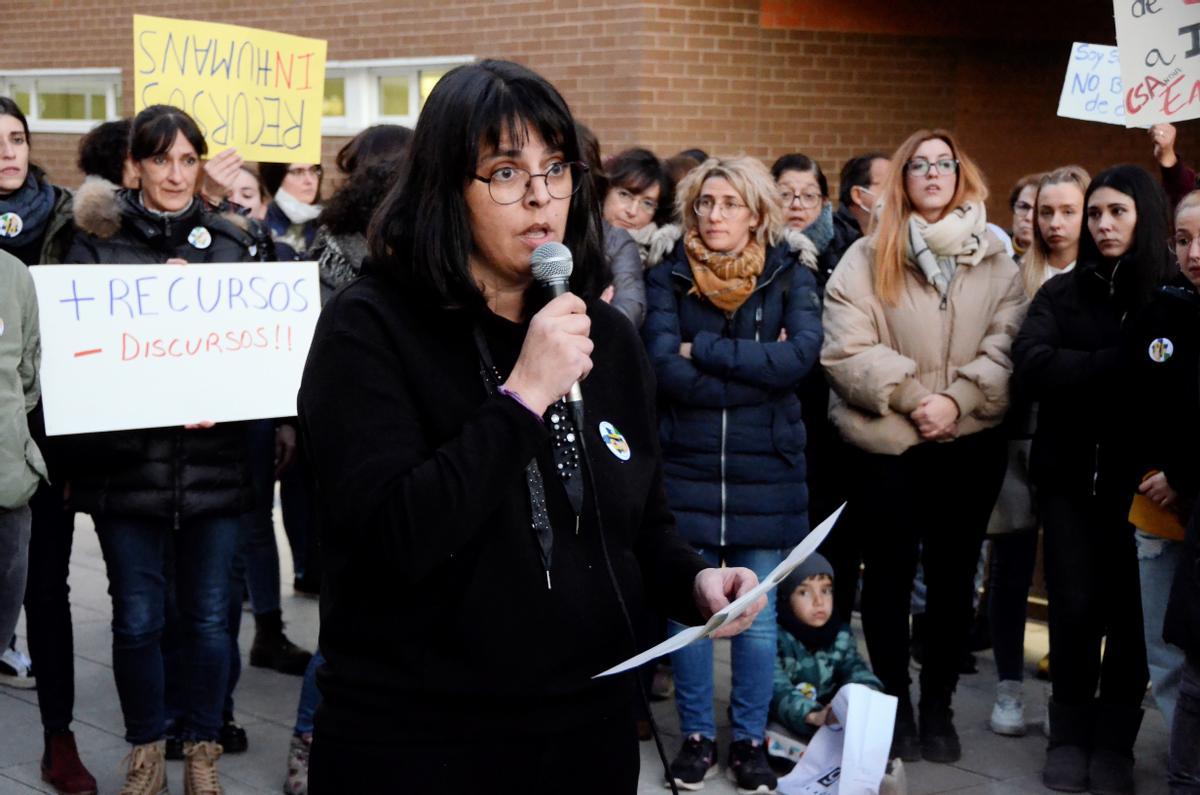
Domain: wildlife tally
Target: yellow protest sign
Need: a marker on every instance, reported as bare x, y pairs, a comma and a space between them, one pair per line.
255, 90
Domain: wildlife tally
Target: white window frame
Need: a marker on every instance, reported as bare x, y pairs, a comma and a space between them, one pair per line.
105, 79
362, 94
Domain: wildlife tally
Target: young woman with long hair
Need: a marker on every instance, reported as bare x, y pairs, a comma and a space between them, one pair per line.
1013, 529
919, 317
1069, 357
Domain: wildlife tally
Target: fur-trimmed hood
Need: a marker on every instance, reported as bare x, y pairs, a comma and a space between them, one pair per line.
97, 211
663, 239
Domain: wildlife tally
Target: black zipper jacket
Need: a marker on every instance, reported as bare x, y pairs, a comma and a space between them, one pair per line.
1070, 356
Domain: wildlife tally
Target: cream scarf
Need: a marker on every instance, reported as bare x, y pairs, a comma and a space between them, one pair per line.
937, 249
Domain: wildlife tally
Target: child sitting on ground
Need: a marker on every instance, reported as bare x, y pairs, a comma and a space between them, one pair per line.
815, 653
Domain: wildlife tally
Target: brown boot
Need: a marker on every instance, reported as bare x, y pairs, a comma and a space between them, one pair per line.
147, 774
200, 769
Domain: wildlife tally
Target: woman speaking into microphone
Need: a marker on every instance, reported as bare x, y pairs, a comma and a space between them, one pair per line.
483, 556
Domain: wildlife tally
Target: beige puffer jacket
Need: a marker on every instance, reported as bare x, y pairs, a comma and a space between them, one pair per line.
882, 360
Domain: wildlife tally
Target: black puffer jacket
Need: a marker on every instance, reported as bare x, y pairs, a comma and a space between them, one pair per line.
158, 473
1070, 356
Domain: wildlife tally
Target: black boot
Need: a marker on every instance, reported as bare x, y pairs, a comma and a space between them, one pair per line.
1114, 730
272, 649
939, 740
1070, 741
905, 742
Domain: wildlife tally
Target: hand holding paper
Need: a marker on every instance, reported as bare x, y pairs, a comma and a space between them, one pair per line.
726, 617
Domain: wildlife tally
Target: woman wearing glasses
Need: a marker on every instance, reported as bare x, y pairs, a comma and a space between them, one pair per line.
482, 555
919, 317
295, 189
641, 200
804, 196
732, 326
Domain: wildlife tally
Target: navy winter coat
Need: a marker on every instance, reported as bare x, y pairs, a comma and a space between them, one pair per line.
729, 418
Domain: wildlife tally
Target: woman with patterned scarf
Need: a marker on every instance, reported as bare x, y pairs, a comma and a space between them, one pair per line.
732, 327
919, 318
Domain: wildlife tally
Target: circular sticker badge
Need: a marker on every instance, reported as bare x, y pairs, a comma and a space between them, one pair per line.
1161, 350
200, 238
11, 225
614, 440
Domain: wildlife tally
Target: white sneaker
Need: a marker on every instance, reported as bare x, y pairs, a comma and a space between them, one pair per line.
1008, 715
15, 670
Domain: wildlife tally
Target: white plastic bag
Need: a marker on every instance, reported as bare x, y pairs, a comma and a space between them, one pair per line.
849, 758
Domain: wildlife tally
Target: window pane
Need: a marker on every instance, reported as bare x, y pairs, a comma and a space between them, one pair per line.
70, 105
335, 97
393, 95
428, 81
22, 100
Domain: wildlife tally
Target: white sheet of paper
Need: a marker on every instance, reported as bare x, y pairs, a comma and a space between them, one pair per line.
737, 606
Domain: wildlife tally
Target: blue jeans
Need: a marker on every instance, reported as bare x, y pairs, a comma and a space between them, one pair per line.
310, 696
1183, 759
134, 551
753, 660
1157, 561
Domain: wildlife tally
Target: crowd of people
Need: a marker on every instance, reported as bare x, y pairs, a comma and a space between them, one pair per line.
754, 351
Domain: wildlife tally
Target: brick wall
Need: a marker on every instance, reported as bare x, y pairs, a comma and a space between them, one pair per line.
726, 76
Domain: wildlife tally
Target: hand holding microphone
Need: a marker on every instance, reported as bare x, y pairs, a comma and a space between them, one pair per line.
557, 351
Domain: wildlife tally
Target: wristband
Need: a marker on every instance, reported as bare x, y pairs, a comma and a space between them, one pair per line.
503, 390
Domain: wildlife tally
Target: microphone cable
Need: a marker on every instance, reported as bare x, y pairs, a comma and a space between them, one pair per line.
612, 578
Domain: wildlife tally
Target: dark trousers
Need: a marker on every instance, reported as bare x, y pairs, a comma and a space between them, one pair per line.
547, 763
1092, 582
1183, 760
1013, 558
831, 467
48, 606
932, 501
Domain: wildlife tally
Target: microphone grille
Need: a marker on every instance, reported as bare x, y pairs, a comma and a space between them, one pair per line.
551, 262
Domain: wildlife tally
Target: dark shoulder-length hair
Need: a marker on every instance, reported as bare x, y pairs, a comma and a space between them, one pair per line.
636, 170
155, 129
421, 235
9, 107
1149, 252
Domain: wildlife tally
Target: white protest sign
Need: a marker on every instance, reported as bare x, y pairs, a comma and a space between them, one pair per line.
738, 606
1160, 59
146, 346
1092, 88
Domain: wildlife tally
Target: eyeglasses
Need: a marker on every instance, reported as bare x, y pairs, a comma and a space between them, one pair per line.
919, 166
509, 185
726, 209
642, 205
305, 171
1021, 208
807, 200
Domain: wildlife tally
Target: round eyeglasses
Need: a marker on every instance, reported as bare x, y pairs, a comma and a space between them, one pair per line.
509, 184
726, 209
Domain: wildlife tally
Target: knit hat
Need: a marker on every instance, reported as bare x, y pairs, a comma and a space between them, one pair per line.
812, 566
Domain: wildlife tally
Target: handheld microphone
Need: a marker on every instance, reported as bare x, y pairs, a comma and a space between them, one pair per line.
551, 265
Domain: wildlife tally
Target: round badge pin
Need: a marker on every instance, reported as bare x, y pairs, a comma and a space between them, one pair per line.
614, 440
200, 238
1161, 350
11, 225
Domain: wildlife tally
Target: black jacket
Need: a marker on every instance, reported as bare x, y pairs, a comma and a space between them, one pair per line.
845, 231
159, 473
1069, 357
436, 619
1164, 354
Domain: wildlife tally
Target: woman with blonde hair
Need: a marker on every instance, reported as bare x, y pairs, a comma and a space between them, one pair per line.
1057, 226
732, 326
919, 317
